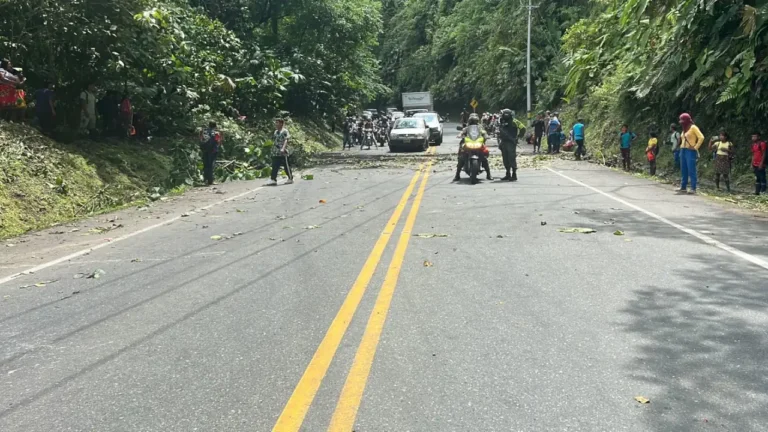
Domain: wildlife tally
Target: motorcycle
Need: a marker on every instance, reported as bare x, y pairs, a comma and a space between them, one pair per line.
368, 139
382, 137
474, 151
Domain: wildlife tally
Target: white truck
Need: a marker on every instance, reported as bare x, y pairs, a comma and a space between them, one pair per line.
417, 101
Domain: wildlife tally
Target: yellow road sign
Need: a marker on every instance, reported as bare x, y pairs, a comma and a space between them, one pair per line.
474, 103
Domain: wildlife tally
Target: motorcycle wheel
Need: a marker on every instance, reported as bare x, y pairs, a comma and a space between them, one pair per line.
474, 170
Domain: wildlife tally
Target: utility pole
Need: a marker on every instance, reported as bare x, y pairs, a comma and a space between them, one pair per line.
531, 7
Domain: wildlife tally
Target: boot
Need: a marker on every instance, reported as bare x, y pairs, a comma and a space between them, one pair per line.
507, 177
514, 175
728, 186
458, 174
757, 188
487, 168
717, 182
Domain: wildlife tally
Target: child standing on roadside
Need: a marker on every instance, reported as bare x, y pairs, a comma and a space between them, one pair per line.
724, 151
650, 151
759, 160
625, 143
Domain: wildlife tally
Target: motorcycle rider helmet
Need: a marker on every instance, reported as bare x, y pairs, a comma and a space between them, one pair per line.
474, 119
507, 114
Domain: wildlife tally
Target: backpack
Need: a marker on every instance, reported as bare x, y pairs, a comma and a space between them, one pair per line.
209, 140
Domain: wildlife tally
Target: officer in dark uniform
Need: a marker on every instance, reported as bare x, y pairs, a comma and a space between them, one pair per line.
509, 130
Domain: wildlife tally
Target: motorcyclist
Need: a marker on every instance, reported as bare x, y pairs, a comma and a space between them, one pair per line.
510, 129
368, 128
383, 129
473, 120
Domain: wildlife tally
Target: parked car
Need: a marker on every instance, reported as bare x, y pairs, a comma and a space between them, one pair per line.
435, 124
411, 112
409, 133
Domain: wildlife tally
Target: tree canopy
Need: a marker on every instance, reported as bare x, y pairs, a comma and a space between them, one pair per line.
180, 57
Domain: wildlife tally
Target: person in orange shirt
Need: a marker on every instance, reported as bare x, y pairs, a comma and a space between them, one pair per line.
690, 141
650, 151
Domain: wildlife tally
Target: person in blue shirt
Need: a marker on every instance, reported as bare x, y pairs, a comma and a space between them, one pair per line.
625, 142
45, 108
578, 136
553, 135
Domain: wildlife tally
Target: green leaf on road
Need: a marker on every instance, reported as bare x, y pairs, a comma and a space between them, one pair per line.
577, 230
642, 399
216, 237
618, 233
97, 274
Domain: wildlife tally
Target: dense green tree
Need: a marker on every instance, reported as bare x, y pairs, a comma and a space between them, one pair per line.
465, 49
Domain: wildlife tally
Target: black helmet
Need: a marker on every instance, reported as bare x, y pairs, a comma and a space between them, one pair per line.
474, 119
507, 114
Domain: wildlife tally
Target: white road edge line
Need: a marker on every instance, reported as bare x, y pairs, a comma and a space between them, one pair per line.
117, 239
706, 239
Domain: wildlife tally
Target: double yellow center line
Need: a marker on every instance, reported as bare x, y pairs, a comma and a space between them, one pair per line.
295, 410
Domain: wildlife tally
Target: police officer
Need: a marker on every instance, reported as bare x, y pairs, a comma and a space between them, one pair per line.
509, 130
472, 120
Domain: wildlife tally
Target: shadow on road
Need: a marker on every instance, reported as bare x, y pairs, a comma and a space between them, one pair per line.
705, 345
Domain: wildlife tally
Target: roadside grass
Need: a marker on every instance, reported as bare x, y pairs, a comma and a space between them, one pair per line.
44, 182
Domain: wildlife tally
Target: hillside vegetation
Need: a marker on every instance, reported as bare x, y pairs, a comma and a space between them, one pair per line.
609, 61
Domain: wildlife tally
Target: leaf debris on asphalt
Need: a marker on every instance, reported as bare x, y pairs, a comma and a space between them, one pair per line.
428, 264
577, 230
38, 284
311, 227
216, 237
431, 235
96, 274
135, 260
642, 400
618, 233
543, 223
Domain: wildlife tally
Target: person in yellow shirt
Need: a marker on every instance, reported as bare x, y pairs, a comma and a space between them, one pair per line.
690, 141
724, 152
651, 152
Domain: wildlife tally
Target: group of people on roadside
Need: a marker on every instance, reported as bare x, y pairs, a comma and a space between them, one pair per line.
686, 145
13, 104
116, 113
212, 144
549, 124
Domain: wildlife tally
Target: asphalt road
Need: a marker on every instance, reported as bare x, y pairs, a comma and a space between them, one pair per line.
380, 296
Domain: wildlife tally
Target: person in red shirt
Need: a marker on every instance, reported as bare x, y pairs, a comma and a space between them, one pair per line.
759, 161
